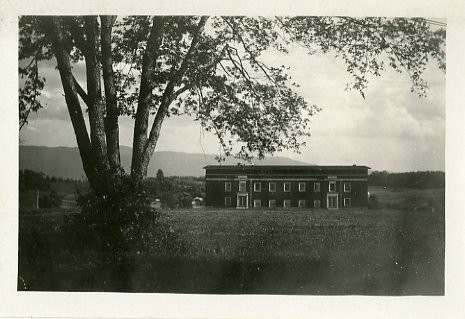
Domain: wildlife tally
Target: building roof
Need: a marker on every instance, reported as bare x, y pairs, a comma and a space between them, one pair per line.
285, 167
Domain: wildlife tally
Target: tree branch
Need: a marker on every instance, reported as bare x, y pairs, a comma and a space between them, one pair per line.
81, 91
78, 35
247, 49
94, 93
166, 97
23, 118
55, 33
111, 120
241, 69
146, 86
392, 47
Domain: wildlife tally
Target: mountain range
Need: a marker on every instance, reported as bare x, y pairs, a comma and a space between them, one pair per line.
65, 162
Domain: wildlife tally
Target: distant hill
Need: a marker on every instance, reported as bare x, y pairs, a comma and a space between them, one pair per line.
65, 162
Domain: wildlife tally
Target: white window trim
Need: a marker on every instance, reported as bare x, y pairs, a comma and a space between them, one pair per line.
347, 189
287, 201
269, 187
245, 186
350, 202
255, 184
302, 189
302, 201
317, 201
333, 195
246, 201
329, 187
269, 203
226, 201
255, 201
284, 187
315, 188
227, 186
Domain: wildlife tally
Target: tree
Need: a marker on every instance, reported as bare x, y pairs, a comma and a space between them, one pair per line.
30, 180
160, 176
160, 181
207, 67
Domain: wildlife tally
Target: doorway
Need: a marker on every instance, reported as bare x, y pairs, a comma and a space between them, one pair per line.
242, 201
331, 201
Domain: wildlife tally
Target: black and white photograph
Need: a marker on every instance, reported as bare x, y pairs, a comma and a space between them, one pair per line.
123, 187
216, 155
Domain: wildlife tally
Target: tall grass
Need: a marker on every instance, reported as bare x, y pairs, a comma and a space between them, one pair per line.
384, 251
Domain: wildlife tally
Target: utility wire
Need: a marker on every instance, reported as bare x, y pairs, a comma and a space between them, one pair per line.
437, 23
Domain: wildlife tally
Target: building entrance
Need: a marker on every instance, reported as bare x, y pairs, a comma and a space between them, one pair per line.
242, 201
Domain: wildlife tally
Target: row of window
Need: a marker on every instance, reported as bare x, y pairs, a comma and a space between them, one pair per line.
257, 186
257, 203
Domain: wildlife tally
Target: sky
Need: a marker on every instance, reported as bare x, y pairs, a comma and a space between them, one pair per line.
390, 129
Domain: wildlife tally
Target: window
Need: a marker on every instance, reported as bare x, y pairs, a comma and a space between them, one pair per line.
332, 186
227, 201
287, 187
287, 203
272, 203
347, 187
227, 186
272, 187
257, 203
301, 203
332, 201
257, 187
347, 202
242, 201
301, 187
316, 187
242, 186
316, 203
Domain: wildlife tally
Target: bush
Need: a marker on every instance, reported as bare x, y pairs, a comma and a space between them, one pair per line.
30, 180
50, 200
121, 223
373, 202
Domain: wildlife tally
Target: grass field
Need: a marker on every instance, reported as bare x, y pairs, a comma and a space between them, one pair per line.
396, 249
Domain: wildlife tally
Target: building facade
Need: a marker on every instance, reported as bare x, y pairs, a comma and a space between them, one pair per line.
257, 186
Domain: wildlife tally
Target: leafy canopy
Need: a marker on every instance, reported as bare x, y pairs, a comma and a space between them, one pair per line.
225, 85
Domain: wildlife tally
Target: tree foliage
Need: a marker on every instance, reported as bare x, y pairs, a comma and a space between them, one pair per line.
420, 180
176, 191
30, 180
209, 68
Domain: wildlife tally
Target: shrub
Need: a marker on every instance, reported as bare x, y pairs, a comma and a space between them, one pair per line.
50, 200
30, 180
373, 202
121, 223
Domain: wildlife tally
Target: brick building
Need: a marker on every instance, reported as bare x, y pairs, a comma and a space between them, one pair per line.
255, 186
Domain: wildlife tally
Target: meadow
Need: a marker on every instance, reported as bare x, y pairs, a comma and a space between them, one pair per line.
396, 248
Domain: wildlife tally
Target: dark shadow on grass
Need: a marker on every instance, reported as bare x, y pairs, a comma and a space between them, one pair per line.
51, 260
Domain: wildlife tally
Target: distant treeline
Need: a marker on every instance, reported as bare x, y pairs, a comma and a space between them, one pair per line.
31, 180
421, 180
175, 191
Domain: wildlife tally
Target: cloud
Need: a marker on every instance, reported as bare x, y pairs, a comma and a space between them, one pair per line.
178, 133
48, 132
379, 153
391, 129
52, 96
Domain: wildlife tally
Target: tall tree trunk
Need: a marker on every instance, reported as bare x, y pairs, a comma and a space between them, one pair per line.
94, 93
111, 122
168, 96
145, 93
54, 28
